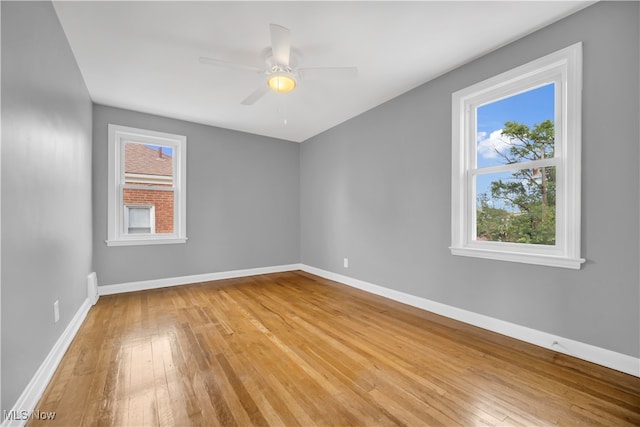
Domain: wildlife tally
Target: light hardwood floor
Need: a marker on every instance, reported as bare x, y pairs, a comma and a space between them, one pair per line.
292, 349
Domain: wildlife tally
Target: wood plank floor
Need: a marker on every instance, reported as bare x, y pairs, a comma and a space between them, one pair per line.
291, 349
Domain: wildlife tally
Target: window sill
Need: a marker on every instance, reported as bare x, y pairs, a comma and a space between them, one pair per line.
138, 242
526, 258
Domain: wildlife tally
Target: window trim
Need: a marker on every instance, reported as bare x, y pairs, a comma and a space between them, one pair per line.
564, 68
116, 234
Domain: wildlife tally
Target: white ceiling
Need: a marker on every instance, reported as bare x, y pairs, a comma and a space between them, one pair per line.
143, 56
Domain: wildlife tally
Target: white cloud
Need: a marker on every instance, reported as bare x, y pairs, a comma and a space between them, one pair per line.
488, 144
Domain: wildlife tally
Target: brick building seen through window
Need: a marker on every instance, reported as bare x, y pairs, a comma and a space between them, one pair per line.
151, 167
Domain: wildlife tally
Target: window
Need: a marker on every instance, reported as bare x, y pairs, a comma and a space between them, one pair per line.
516, 164
147, 187
139, 220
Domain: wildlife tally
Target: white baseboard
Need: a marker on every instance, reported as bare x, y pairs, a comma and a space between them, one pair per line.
33, 392
610, 359
196, 278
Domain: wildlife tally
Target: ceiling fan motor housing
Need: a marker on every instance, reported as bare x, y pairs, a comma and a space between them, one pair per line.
281, 67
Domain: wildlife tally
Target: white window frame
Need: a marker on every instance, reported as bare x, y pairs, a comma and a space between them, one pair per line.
116, 232
564, 68
152, 216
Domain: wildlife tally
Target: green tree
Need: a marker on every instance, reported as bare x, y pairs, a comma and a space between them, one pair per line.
528, 195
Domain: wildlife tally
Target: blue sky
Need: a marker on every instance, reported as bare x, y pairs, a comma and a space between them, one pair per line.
165, 150
530, 108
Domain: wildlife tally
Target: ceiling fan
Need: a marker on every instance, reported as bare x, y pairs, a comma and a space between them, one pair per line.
281, 72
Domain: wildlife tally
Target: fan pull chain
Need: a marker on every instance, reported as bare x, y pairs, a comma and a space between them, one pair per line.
284, 109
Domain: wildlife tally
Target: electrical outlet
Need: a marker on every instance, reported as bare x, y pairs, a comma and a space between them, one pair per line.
346, 263
56, 312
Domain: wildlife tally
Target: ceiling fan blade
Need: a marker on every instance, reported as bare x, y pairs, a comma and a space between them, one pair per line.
328, 73
256, 95
280, 44
232, 65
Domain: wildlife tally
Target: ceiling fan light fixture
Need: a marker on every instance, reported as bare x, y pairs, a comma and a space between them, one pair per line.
281, 83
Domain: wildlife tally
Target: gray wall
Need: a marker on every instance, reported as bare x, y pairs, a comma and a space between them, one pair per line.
243, 206
377, 189
46, 189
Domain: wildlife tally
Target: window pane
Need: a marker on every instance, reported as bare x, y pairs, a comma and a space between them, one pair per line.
139, 217
517, 206
162, 201
150, 165
516, 129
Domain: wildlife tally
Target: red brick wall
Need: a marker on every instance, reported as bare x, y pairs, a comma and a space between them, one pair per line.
163, 202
